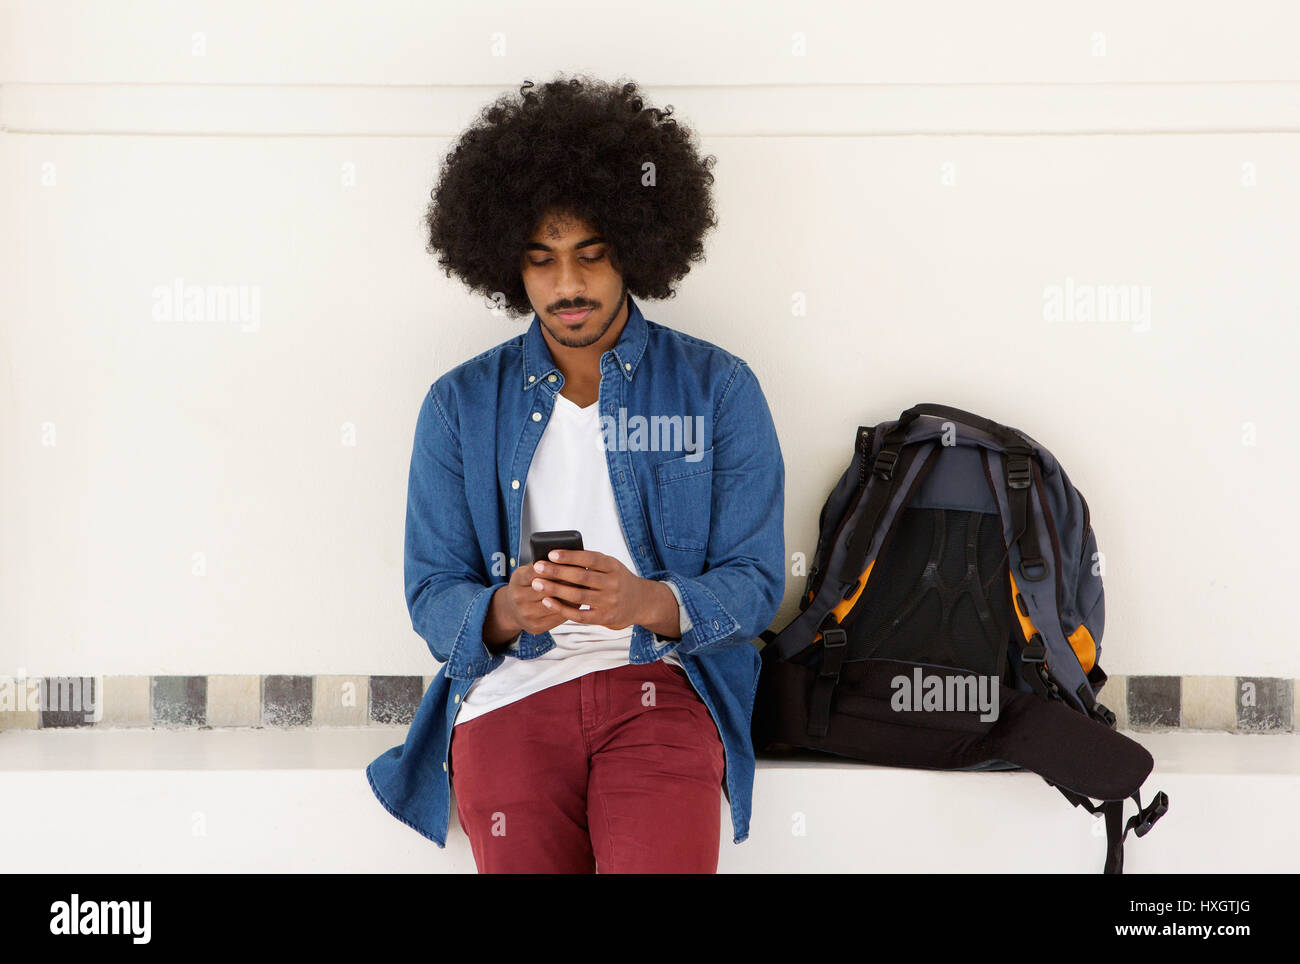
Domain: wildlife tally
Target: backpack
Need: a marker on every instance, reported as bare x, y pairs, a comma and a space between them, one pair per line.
955, 554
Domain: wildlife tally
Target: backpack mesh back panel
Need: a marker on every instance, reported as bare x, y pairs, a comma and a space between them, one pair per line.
940, 595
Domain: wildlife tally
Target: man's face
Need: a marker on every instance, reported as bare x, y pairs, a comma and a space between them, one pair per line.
571, 280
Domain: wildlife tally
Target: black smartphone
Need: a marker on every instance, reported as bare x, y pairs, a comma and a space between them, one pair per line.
543, 542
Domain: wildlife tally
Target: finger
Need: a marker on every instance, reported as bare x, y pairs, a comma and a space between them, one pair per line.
522, 576
586, 558
564, 609
571, 574
558, 590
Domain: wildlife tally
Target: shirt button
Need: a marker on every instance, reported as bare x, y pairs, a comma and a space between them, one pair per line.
456, 698
444, 765
627, 365
550, 378
715, 624
537, 416
514, 483
532, 378
512, 562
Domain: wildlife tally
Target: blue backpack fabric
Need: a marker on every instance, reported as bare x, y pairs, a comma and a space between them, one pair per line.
955, 554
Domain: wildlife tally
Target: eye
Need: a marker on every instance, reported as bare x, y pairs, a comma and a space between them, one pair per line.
542, 264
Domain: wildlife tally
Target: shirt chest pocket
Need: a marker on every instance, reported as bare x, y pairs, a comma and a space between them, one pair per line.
685, 490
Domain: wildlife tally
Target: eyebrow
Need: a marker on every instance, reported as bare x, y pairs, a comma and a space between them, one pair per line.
585, 242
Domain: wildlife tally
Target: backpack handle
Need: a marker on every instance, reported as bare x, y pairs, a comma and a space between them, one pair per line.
1019, 475
1004, 435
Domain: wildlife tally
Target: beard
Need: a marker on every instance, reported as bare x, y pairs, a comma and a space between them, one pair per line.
591, 330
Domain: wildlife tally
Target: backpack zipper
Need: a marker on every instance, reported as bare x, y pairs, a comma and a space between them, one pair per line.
1087, 527
864, 449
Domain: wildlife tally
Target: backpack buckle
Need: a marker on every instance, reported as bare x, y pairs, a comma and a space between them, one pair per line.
1034, 651
1037, 564
813, 573
1152, 812
1103, 714
834, 642
834, 638
884, 463
1019, 473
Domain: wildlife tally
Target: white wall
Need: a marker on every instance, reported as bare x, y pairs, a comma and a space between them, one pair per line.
918, 174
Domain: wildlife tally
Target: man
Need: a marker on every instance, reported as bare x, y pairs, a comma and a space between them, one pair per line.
590, 705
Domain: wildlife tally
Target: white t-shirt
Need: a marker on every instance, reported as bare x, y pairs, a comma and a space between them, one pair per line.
567, 487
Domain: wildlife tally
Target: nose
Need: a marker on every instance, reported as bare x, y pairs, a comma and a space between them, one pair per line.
568, 284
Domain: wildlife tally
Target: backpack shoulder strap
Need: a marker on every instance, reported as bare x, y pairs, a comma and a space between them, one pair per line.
894, 474
1048, 663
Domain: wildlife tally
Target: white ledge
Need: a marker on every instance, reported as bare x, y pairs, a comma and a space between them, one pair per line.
265, 800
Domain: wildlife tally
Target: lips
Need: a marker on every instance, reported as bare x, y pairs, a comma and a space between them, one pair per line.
573, 317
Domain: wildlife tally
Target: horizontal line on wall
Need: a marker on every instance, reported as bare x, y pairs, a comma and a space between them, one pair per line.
412, 134
672, 41
750, 111
488, 90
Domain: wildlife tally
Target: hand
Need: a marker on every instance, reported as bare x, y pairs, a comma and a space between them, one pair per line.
520, 607
616, 596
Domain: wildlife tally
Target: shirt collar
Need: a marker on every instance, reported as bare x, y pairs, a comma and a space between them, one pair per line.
539, 365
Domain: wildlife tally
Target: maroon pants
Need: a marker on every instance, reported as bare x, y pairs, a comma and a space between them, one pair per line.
617, 771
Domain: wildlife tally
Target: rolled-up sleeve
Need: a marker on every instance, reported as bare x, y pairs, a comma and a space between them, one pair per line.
447, 585
738, 594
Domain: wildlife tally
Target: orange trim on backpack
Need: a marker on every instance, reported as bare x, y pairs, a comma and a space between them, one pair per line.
1082, 643
1026, 626
842, 608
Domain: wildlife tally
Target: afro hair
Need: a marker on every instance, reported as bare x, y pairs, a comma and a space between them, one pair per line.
578, 147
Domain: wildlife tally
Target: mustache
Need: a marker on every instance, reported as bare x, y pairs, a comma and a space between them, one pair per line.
572, 307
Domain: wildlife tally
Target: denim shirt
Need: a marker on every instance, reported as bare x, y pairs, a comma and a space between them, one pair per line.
708, 519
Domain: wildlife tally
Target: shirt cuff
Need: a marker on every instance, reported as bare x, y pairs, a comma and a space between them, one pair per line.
510, 647
710, 623
684, 621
